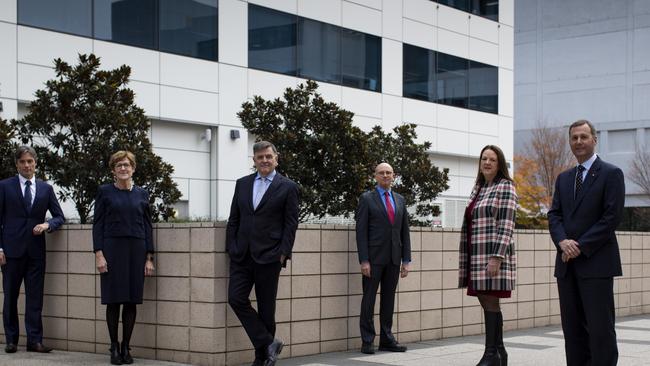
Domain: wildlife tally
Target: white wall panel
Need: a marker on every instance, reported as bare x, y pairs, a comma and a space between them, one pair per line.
362, 102
225, 191
419, 34
233, 80
188, 105
8, 82
507, 12
453, 19
40, 47
144, 63
482, 51
31, 78
187, 164
326, 11
453, 118
483, 123
391, 67
506, 47
199, 198
466, 184
287, 6
454, 186
453, 43
506, 92
183, 136
392, 19
8, 11
506, 142
147, 97
329, 92
375, 4
366, 124
361, 18
392, 111
267, 84
9, 108
483, 28
183, 185
449, 162
478, 142
468, 167
423, 11
419, 112
233, 155
233, 28
427, 134
188, 72
452, 142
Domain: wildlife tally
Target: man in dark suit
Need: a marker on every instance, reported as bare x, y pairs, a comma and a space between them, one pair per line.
587, 207
24, 200
384, 244
259, 239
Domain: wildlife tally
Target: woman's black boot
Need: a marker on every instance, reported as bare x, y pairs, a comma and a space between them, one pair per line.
116, 358
500, 347
126, 355
491, 355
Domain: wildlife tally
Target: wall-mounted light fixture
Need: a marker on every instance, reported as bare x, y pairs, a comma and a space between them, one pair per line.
234, 134
207, 135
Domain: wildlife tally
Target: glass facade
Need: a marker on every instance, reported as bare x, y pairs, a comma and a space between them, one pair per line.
485, 8
292, 45
185, 27
446, 79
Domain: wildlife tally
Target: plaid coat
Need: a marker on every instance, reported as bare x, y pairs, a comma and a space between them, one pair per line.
493, 222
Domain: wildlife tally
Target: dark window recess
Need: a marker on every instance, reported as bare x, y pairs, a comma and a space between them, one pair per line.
483, 87
189, 28
271, 40
319, 46
484, 8
451, 80
360, 60
419, 73
68, 16
130, 22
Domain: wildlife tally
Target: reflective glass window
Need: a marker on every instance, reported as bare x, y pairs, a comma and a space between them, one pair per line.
486, 8
483, 87
319, 46
69, 16
271, 40
419, 72
463, 5
451, 80
131, 22
189, 28
360, 60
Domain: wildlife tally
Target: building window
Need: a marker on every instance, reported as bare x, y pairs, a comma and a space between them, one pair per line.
292, 45
438, 77
485, 8
68, 16
130, 22
189, 28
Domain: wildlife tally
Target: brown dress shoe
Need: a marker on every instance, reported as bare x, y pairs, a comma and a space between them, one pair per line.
38, 347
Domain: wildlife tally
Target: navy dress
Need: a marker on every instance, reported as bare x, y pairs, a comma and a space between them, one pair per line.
122, 231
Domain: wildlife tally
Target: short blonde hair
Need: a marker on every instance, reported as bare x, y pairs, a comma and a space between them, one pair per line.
119, 156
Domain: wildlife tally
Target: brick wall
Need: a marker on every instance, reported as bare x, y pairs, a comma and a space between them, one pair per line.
185, 316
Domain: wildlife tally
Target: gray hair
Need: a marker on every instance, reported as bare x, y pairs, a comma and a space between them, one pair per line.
24, 149
262, 145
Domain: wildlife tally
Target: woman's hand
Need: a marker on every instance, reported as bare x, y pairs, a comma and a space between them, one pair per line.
100, 262
494, 263
148, 268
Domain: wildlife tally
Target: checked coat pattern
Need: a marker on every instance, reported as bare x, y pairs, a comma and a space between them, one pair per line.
493, 223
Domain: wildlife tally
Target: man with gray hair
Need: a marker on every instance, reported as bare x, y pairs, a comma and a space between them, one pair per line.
24, 200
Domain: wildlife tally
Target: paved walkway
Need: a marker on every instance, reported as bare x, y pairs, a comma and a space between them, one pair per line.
537, 346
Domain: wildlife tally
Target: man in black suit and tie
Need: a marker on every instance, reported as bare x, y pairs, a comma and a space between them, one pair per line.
259, 239
24, 200
587, 207
383, 244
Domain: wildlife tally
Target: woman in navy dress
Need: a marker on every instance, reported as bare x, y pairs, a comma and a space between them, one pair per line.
123, 248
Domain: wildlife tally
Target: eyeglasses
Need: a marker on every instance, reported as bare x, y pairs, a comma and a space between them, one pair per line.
122, 165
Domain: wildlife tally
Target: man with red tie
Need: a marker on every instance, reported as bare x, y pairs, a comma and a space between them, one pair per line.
384, 248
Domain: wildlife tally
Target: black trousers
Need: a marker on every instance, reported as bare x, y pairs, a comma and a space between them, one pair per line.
260, 324
588, 315
387, 275
32, 271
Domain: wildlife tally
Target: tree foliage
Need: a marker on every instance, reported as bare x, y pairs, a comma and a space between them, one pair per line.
332, 160
7, 149
639, 172
82, 117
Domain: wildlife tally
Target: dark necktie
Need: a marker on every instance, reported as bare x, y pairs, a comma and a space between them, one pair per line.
28, 195
389, 208
579, 180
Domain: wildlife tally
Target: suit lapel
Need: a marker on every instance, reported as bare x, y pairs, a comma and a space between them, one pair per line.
19, 193
379, 204
248, 191
275, 183
589, 181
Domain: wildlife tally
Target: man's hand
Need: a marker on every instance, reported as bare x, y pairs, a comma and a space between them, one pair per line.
283, 258
565, 258
570, 248
405, 270
40, 228
365, 269
3, 259
100, 262
494, 263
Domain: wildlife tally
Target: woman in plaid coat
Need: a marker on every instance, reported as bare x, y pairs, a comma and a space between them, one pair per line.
487, 254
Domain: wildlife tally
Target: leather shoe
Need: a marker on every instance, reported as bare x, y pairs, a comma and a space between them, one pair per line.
393, 347
38, 347
11, 348
272, 352
368, 348
258, 361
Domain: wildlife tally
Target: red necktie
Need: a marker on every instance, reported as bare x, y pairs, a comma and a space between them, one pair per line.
389, 208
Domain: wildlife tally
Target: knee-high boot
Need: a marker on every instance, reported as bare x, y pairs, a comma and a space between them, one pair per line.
500, 347
491, 355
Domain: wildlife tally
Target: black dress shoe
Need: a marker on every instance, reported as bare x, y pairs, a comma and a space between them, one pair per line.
393, 347
258, 361
127, 359
11, 348
38, 347
272, 352
368, 348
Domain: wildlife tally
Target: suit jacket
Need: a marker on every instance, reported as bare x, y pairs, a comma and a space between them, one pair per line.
268, 231
493, 224
379, 242
590, 219
17, 221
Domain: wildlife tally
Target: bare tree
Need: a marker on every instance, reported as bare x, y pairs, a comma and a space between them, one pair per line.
639, 172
